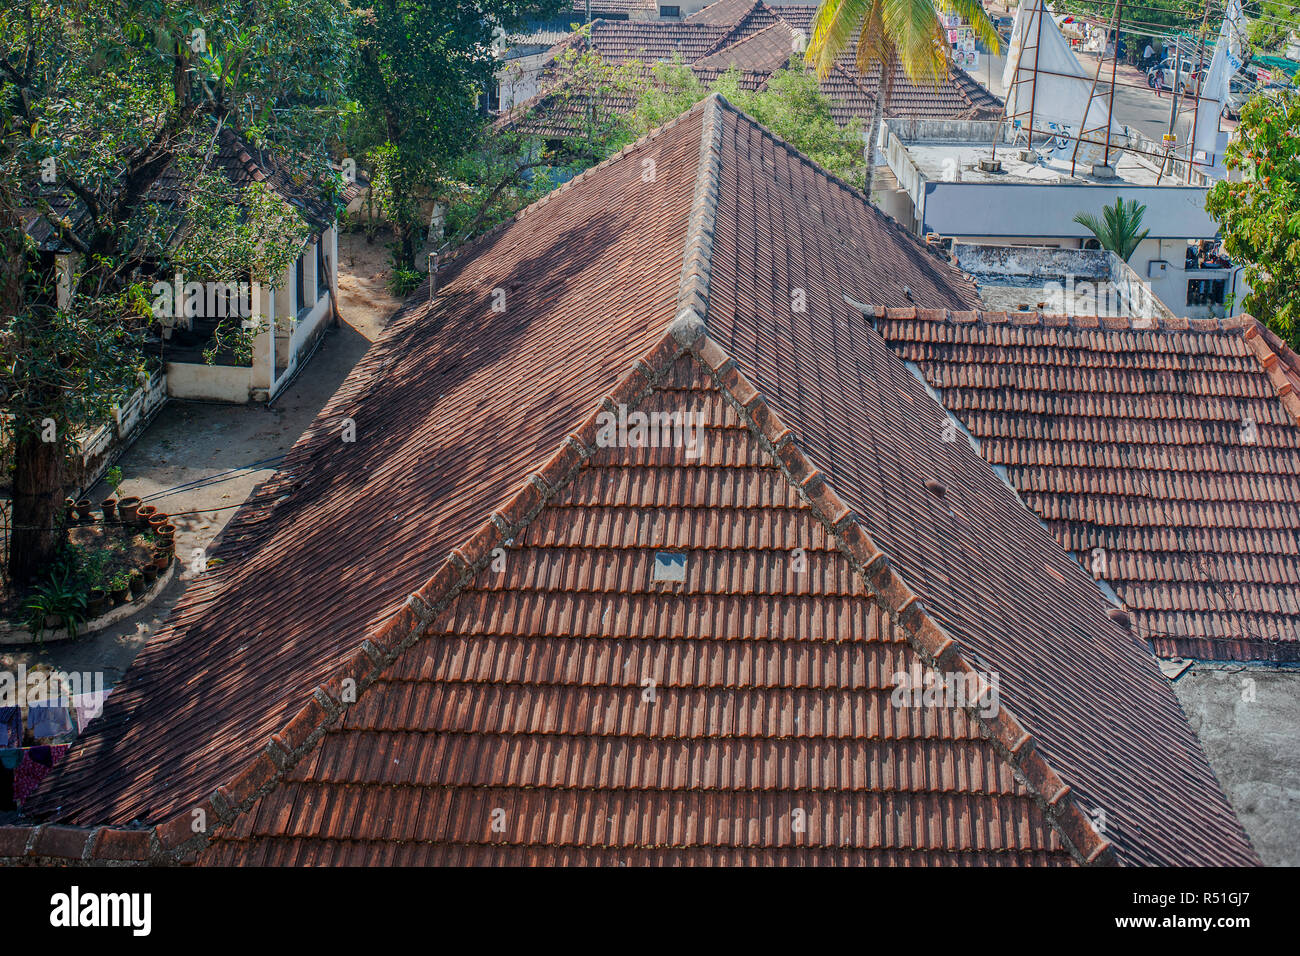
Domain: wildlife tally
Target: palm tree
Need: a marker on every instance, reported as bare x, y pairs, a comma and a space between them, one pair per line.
1118, 231
891, 33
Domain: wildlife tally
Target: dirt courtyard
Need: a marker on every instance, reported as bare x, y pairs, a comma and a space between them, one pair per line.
199, 461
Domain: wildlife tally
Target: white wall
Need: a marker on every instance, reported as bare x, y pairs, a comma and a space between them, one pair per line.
1024, 210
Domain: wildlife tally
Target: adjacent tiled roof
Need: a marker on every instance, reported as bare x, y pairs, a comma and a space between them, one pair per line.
764, 52
725, 282
725, 13
1172, 446
757, 39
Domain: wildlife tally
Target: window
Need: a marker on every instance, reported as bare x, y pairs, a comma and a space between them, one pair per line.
670, 11
299, 287
322, 267
1205, 291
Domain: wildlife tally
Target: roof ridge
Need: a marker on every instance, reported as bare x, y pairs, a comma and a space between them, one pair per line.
697, 251
722, 42
936, 648
1280, 363
882, 217
1231, 325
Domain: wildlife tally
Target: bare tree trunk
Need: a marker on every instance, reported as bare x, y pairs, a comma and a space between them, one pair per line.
38, 496
873, 134
38, 472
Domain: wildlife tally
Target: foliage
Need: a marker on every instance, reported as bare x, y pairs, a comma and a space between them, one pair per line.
886, 32
1259, 215
98, 99
60, 596
114, 478
236, 235
403, 281
510, 167
421, 68
793, 107
1117, 230
790, 104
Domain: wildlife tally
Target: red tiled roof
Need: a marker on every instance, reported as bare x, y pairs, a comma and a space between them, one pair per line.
763, 52
1130, 435
758, 40
724, 13
520, 689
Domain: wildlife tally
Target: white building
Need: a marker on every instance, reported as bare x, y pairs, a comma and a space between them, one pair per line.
947, 183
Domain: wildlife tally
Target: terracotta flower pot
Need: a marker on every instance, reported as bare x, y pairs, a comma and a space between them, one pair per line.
121, 595
126, 509
150, 572
143, 514
70, 510
97, 602
137, 584
165, 531
110, 510
161, 559
157, 520
84, 509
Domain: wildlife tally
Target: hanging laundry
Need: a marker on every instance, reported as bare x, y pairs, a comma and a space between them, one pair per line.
86, 707
51, 719
11, 727
35, 767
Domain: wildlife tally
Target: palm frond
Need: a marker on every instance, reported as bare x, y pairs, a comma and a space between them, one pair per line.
833, 26
918, 37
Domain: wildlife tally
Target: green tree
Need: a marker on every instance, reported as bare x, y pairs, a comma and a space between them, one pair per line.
790, 104
890, 33
98, 98
1117, 230
1259, 215
421, 68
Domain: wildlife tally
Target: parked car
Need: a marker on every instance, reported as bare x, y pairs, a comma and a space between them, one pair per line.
1189, 79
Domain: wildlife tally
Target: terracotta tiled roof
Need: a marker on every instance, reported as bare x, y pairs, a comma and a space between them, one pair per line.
758, 40
723, 283
1175, 448
763, 52
725, 13
621, 41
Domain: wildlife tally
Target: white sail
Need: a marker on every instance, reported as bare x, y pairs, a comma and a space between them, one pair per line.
1224, 65
1059, 93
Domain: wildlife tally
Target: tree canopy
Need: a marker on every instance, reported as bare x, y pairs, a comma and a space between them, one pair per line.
1259, 215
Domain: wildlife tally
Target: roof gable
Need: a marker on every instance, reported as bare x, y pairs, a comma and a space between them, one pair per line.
745, 715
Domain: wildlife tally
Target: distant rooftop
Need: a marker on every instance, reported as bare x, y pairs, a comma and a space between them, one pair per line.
961, 161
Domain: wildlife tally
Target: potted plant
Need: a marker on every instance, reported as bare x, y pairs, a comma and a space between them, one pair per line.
143, 514
114, 477
150, 572
162, 557
97, 602
126, 508
135, 581
157, 520
120, 586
